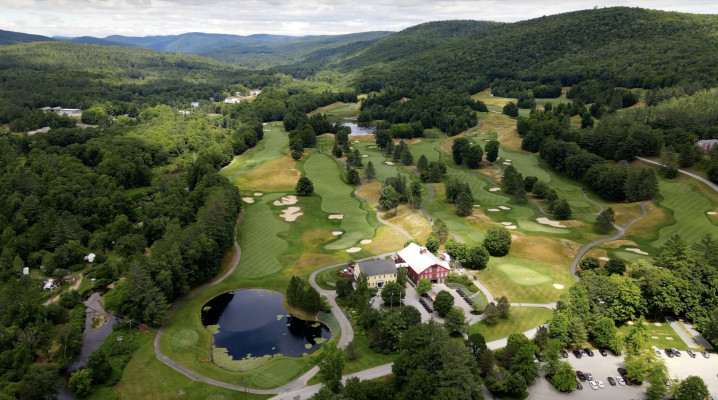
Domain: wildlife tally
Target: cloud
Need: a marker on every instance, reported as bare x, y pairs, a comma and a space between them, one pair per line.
294, 17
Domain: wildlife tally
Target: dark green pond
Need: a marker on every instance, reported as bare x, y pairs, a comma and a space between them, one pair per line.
250, 323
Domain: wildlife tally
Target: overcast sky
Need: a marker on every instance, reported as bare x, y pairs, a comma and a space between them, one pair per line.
290, 17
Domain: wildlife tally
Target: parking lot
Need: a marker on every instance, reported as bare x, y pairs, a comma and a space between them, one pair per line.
603, 367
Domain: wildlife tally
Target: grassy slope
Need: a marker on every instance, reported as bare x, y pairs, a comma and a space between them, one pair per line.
521, 319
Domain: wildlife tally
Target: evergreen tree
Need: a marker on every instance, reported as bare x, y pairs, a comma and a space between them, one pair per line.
357, 158
407, 158
304, 186
369, 172
492, 150
353, 177
464, 204
562, 210
473, 156
605, 221
422, 163
414, 197
295, 291
440, 230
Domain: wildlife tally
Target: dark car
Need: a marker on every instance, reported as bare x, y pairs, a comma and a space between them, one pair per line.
581, 376
603, 352
629, 382
588, 352
611, 381
622, 371
580, 386
669, 353
577, 354
564, 354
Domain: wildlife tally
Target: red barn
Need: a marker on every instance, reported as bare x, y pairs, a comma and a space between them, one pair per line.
422, 264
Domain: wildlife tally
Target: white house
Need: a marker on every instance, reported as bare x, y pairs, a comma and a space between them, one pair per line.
51, 284
90, 257
70, 112
707, 144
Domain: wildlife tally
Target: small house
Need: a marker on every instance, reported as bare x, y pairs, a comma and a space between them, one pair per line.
378, 272
50, 284
422, 264
194, 104
70, 112
707, 144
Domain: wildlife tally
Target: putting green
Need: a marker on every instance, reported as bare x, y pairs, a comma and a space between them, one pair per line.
258, 236
522, 275
337, 198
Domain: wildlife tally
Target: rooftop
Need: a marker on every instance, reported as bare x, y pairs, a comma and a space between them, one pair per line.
419, 258
377, 267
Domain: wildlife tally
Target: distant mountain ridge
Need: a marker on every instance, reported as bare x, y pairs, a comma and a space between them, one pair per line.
10, 37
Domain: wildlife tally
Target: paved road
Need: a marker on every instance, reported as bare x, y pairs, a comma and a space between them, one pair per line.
691, 174
621, 231
685, 337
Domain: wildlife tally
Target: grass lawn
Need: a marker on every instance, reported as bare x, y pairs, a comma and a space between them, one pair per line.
366, 358
327, 279
523, 280
259, 239
689, 206
521, 319
661, 336
145, 377
337, 198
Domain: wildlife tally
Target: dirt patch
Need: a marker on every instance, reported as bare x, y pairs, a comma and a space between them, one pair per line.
336, 216
353, 249
286, 201
547, 221
248, 200
558, 286
290, 214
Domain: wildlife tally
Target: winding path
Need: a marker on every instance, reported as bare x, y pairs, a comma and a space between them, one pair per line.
691, 174
621, 231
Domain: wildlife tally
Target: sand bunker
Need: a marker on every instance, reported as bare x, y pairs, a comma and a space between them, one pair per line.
388, 163
353, 249
658, 324
286, 201
495, 189
364, 155
365, 241
712, 213
257, 194
506, 223
637, 251
504, 208
506, 163
511, 227
558, 286
371, 147
355, 141
290, 214
337, 233
546, 221
493, 209
249, 200
336, 216
476, 205
487, 140
603, 258
507, 160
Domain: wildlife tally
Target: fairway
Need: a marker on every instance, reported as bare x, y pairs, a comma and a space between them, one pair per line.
689, 207
531, 226
523, 280
258, 236
337, 198
272, 146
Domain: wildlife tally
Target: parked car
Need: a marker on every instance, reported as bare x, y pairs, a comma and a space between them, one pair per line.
564, 354
600, 384
669, 353
611, 381
668, 382
577, 354
594, 385
691, 353
580, 386
656, 350
620, 380
581, 376
621, 371
589, 376
603, 352
588, 352
705, 354
629, 382
676, 352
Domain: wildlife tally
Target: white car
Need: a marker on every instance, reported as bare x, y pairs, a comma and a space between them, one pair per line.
600, 384
620, 380
594, 385
657, 350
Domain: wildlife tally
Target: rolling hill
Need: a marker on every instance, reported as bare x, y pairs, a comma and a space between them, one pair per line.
10, 37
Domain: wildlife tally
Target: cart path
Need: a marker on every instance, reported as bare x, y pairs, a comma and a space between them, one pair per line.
691, 174
621, 231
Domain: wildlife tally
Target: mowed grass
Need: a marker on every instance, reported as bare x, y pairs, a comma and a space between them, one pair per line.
274, 175
525, 281
661, 336
259, 239
689, 206
274, 145
145, 377
337, 198
378, 160
426, 147
521, 320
